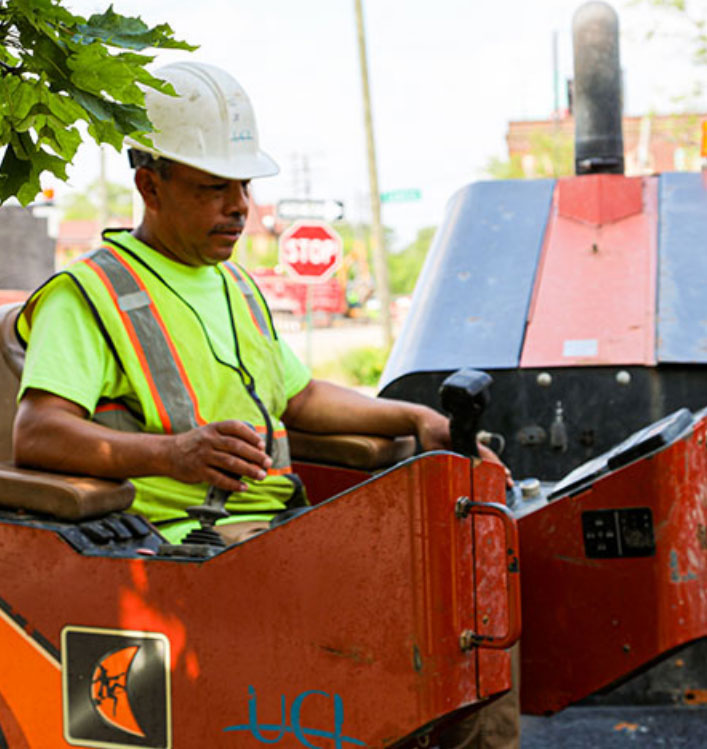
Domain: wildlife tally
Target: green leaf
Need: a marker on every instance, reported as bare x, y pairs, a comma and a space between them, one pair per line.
96, 71
15, 175
95, 107
63, 141
64, 108
17, 97
49, 59
21, 170
126, 32
105, 132
67, 69
124, 120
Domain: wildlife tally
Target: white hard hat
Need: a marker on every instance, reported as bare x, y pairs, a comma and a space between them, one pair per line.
209, 125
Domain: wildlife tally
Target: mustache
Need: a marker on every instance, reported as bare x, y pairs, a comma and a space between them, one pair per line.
229, 228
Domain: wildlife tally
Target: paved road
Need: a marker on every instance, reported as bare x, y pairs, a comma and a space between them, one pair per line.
617, 728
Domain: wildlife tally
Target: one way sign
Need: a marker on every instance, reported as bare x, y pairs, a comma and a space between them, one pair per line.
296, 209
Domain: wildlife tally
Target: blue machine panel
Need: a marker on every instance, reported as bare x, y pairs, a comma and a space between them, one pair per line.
471, 300
681, 326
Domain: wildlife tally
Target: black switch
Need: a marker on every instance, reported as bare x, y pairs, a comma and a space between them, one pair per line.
138, 527
97, 532
120, 531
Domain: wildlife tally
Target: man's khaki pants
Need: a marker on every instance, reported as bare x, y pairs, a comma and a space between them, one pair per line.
494, 727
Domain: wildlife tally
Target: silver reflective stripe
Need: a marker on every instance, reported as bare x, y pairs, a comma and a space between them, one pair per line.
132, 301
256, 308
281, 453
170, 387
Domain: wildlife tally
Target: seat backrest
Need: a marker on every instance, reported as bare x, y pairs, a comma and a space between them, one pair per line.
12, 358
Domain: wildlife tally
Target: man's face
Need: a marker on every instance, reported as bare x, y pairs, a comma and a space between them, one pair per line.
195, 217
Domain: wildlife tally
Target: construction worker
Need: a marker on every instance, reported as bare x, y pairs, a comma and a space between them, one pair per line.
155, 359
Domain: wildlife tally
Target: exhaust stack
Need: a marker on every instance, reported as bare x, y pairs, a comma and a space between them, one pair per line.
599, 145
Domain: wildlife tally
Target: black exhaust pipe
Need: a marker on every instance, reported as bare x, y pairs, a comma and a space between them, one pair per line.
597, 103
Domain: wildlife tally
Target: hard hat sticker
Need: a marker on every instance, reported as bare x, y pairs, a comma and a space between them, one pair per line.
116, 688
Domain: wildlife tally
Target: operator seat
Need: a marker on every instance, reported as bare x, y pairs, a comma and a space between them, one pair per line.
12, 358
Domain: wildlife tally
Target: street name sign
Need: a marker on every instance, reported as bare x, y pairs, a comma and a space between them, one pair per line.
401, 196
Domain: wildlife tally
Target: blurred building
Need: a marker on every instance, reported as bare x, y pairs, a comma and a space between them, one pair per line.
652, 144
27, 249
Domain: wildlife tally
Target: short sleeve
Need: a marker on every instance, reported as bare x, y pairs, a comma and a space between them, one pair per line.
297, 375
66, 352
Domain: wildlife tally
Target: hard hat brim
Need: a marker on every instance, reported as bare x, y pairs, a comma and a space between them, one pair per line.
250, 166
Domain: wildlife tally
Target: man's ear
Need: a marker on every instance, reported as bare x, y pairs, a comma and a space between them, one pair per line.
146, 183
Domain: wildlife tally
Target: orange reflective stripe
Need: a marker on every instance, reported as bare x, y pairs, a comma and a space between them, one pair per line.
277, 433
252, 303
105, 407
168, 339
137, 347
280, 471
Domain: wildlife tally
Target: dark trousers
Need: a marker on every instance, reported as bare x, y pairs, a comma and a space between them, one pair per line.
496, 726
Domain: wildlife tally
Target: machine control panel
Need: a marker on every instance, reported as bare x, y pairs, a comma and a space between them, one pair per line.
643, 442
625, 532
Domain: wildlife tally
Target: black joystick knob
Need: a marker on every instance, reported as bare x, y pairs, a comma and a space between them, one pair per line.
464, 396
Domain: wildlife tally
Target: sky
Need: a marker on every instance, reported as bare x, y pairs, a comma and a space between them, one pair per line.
446, 78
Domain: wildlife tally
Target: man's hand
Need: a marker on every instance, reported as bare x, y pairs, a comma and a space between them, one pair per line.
486, 453
217, 453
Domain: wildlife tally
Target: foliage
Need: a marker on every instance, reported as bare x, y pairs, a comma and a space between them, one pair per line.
404, 267
84, 205
692, 19
511, 168
552, 156
364, 365
57, 69
685, 22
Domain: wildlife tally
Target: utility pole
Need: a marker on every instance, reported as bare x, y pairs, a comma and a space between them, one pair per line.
102, 194
379, 258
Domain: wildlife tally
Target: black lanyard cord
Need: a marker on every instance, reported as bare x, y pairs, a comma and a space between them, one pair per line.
241, 369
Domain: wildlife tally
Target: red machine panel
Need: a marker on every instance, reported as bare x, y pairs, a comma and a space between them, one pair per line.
589, 621
343, 624
594, 297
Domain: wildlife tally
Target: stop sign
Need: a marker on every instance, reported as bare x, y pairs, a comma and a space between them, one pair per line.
310, 250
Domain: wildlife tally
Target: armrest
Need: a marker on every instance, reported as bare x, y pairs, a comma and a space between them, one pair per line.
11, 351
366, 452
62, 496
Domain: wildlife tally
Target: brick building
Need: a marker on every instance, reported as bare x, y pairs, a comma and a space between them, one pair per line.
652, 144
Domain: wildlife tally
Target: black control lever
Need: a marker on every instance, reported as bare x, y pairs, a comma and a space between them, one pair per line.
203, 541
207, 513
464, 396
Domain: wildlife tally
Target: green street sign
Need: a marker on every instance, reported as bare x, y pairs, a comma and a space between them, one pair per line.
401, 196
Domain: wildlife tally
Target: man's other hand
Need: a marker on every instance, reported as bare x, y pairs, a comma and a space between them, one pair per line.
432, 429
218, 453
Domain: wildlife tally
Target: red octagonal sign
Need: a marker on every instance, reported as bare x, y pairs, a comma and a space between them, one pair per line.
310, 250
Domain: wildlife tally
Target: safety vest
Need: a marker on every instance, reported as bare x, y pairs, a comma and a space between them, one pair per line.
163, 347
